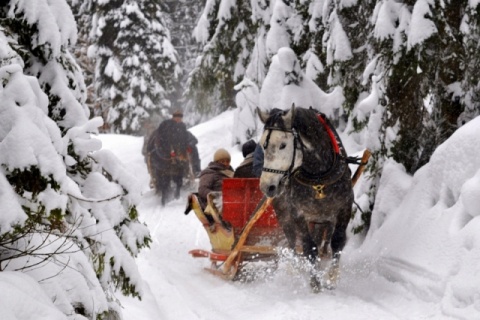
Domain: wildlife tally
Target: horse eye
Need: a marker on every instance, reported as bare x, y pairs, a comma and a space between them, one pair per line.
282, 146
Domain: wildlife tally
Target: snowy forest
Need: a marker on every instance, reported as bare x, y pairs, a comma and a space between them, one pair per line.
397, 76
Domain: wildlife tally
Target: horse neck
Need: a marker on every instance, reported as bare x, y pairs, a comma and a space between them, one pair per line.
318, 158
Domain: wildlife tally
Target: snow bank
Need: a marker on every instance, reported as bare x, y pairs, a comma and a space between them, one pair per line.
430, 239
21, 297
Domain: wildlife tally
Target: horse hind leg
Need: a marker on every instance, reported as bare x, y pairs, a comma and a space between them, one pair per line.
165, 190
310, 252
178, 185
164, 197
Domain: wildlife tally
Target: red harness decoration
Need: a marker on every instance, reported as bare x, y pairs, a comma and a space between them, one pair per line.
330, 133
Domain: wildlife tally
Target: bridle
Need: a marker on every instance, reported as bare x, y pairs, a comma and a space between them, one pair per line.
296, 141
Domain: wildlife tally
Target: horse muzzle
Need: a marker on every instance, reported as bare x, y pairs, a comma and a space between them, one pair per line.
270, 190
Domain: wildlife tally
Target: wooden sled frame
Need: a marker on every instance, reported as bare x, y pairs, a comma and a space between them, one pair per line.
228, 252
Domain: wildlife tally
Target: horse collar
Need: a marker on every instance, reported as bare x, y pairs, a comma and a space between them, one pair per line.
333, 137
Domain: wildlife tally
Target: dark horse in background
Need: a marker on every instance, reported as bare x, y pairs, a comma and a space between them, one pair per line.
168, 158
305, 170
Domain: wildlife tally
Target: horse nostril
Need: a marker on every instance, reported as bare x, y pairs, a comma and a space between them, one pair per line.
271, 189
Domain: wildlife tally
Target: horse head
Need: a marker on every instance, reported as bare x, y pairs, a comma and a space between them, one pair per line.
280, 146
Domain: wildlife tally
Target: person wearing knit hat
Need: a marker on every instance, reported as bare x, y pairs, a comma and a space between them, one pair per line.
211, 178
177, 115
221, 154
245, 169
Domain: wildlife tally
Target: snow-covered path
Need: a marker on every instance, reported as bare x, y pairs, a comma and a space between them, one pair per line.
177, 287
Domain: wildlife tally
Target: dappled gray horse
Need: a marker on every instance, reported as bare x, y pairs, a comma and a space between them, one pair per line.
305, 169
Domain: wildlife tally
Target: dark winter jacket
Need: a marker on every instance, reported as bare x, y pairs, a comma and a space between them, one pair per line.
211, 179
258, 161
192, 144
245, 169
169, 137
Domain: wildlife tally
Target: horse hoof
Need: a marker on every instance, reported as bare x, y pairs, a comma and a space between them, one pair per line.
332, 277
315, 285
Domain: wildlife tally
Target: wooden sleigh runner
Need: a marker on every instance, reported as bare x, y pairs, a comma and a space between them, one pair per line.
247, 230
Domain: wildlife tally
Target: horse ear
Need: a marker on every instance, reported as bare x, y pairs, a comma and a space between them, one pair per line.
289, 117
262, 115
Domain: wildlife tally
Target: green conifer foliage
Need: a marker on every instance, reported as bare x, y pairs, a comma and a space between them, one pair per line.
470, 29
55, 171
224, 59
136, 65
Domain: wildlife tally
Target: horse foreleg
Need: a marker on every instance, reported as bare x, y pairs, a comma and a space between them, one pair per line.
284, 216
310, 249
322, 235
310, 252
338, 242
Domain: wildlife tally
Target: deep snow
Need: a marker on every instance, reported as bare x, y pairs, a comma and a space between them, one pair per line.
421, 259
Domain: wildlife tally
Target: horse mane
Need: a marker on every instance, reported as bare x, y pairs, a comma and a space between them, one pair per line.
312, 131
275, 119
307, 124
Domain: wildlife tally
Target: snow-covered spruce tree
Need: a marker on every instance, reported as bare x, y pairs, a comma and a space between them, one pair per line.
226, 31
83, 12
436, 41
136, 65
68, 213
181, 18
377, 116
286, 84
416, 98
259, 62
470, 28
316, 56
347, 48
246, 124
289, 27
